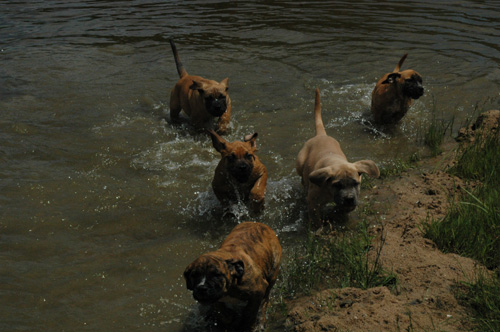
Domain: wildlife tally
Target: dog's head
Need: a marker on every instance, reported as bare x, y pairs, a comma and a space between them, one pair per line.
409, 82
214, 95
343, 182
237, 156
210, 277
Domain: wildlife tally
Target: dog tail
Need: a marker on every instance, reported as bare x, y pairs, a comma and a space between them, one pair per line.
180, 68
318, 121
400, 63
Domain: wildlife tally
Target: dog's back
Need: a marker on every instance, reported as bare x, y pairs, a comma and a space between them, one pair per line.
260, 243
317, 146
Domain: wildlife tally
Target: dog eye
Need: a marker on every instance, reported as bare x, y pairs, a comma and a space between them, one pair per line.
249, 156
337, 184
216, 275
231, 157
221, 96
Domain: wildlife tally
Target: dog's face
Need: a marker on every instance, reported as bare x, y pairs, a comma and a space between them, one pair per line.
343, 183
408, 81
209, 277
238, 157
214, 96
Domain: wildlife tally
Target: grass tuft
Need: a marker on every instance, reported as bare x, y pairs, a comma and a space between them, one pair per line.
482, 296
472, 227
346, 260
436, 131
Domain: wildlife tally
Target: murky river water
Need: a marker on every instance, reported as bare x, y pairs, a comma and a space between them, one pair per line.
103, 203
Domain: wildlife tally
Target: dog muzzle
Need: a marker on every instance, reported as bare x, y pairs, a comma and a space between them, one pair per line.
216, 106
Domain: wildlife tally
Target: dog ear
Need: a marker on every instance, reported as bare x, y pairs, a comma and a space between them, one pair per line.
197, 86
236, 268
367, 167
391, 78
218, 142
187, 273
225, 83
251, 138
320, 176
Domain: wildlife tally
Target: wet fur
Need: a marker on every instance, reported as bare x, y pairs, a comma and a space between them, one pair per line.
239, 175
244, 268
326, 174
394, 93
200, 98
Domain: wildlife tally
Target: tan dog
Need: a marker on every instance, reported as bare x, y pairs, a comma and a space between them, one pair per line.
243, 270
201, 99
326, 174
393, 94
239, 175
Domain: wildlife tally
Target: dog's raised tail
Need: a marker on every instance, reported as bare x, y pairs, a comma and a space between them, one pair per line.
180, 68
400, 63
318, 121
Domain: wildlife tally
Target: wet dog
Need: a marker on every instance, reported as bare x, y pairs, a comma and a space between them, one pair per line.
326, 174
239, 175
243, 270
394, 93
200, 98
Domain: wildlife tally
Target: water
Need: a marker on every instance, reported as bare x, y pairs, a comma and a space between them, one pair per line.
104, 202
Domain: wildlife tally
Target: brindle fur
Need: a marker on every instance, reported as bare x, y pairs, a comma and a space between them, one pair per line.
245, 268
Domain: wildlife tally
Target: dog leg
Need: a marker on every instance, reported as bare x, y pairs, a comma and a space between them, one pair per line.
175, 105
223, 123
258, 193
314, 211
251, 312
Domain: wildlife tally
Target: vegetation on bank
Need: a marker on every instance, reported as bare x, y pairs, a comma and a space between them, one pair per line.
472, 227
347, 259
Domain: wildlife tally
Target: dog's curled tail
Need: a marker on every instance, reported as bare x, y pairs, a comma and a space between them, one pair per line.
180, 68
400, 63
318, 121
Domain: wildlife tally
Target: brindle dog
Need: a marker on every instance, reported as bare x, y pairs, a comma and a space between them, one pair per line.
243, 271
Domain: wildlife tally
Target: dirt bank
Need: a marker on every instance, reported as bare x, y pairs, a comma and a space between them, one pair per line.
424, 298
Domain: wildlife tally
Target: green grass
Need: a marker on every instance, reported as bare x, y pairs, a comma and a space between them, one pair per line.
482, 295
435, 132
480, 160
348, 259
398, 166
472, 226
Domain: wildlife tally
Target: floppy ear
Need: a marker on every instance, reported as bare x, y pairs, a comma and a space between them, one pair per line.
225, 83
197, 86
252, 140
367, 167
236, 268
187, 272
391, 78
319, 176
218, 142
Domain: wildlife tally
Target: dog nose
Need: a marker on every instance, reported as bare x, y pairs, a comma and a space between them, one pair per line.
202, 289
350, 200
